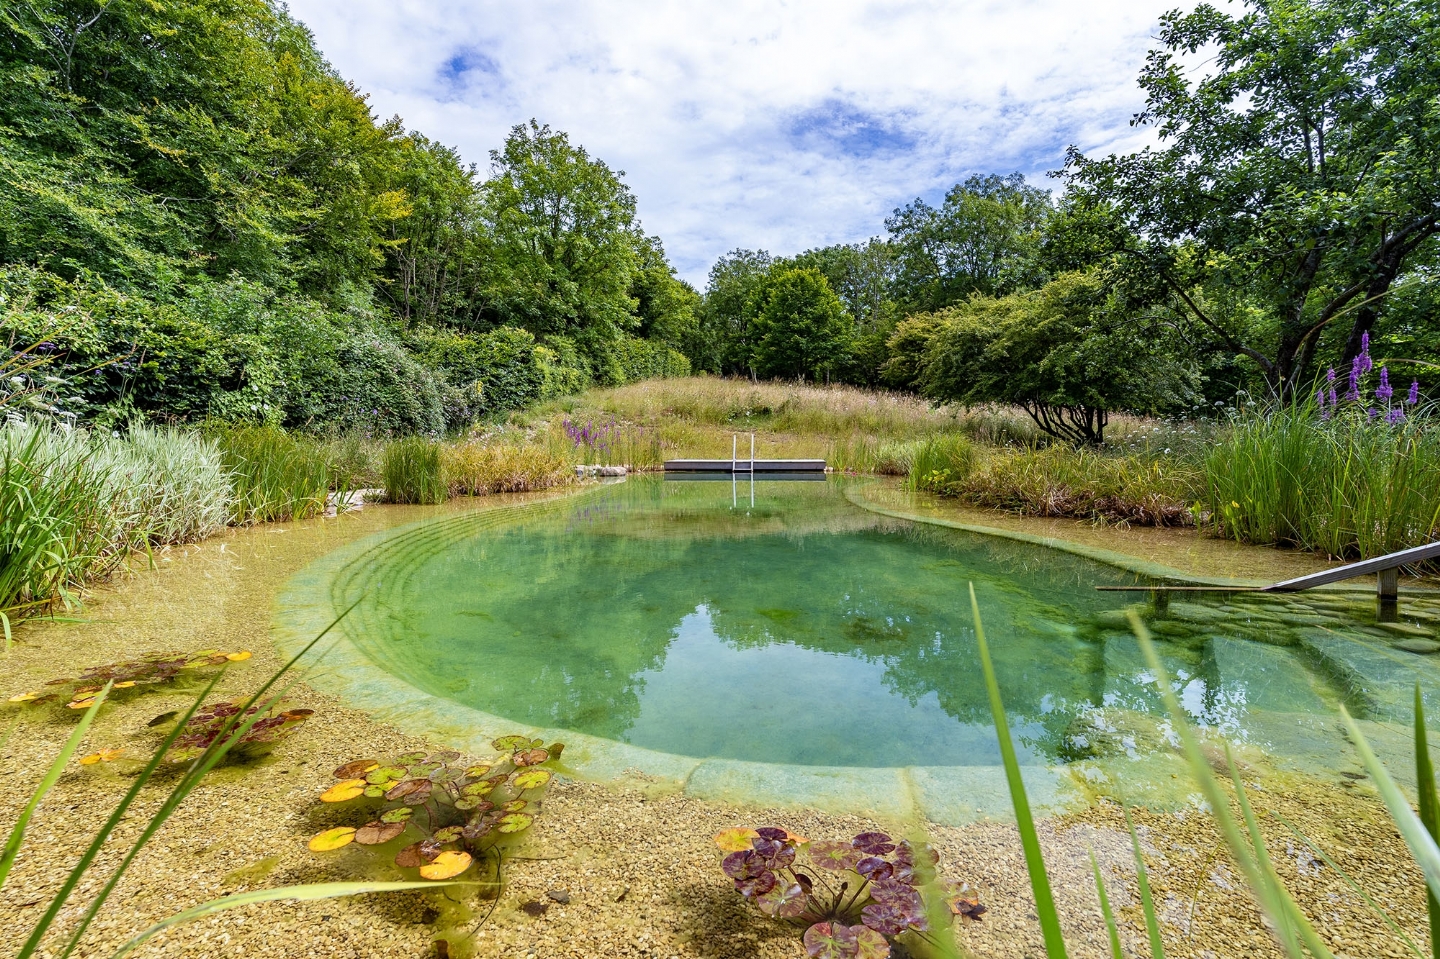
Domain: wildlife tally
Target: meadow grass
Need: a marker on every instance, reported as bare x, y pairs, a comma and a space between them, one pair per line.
1348, 487
412, 473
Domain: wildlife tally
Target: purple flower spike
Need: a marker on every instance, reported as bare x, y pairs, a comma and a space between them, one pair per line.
1334, 400
1384, 391
1365, 362
1330, 375
1397, 415
1320, 398
1414, 396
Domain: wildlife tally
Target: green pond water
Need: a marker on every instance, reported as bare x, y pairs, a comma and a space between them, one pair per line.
801, 629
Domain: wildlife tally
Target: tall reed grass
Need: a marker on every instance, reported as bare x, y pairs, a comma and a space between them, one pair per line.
412, 472
476, 468
939, 462
1350, 487
276, 476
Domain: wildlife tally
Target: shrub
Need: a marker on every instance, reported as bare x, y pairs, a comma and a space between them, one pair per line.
276, 476
477, 468
411, 471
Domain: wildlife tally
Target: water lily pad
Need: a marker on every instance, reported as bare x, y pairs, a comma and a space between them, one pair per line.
509, 743
415, 790
343, 791
376, 833
444, 756
869, 944
422, 770
448, 834
84, 703
467, 803
411, 757
374, 792
834, 855
874, 868
555, 749
873, 843
417, 854
531, 778
332, 839
385, 774
128, 684
514, 822
479, 771
735, 839
483, 788
24, 698
398, 814
531, 757
444, 775
447, 865
514, 805
782, 902
239, 657
103, 756
355, 768
830, 940
296, 715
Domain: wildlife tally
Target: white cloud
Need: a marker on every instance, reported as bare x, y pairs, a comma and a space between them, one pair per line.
775, 125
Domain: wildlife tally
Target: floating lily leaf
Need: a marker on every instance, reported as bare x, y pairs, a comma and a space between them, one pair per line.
869, 944
827, 940
292, 715
467, 803
81, 703
376, 833
23, 698
478, 772
445, 756
555, 749
447, 865
405, 759
873, 868
884, 918
744, 864
103, 756
895, 893
778, 855
417, 854
415, 790
477, 828
448, 834
422, 770
356, 768
483, 788
332, 839
873, 843
514, 805
532, 778
128, 684
772, 833
510, 743
757, 885
834, 855
343, 791
239, 657
400, 814
736, 839
531, 757
385, 774
374, 792
444, 775
514, 822
782, 902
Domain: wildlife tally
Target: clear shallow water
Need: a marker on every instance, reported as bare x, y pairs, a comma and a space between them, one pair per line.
804, 630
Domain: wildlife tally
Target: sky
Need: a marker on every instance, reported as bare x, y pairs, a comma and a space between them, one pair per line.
781, 125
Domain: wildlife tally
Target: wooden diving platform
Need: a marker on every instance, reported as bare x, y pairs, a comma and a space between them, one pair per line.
745, 466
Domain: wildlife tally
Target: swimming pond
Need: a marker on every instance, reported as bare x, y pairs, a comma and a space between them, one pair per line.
683, 630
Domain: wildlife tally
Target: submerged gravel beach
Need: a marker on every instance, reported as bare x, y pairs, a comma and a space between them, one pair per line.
623, 869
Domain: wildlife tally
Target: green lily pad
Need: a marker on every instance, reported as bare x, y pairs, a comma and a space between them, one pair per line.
400, 814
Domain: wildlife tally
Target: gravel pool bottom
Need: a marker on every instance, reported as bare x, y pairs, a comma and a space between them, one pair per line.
804, 630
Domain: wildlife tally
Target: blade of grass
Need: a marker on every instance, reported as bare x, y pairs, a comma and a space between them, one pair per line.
52, 776
1277, 905
309, 892
1029, 839
1354, 886
1422, 845
1429, 810
1147, 902
1105, 910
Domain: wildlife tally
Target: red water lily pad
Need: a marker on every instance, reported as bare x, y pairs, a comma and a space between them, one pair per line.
376, 833
413, 790
356, 768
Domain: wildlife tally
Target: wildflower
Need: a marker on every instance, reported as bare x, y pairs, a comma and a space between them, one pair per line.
1384, 391
1414, 396
1354, 392
1320, 398
1334, 400
1365, 362
1397, 415
1330, 376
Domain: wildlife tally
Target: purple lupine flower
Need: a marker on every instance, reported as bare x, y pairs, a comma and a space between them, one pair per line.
1354, 392
1384, 391
1414, 396
1397, 415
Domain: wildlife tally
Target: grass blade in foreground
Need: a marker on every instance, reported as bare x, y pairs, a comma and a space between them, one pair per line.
1147, 902
1290, 924
1429, 810
305, 893
1105, 911
1034, 861
52, 776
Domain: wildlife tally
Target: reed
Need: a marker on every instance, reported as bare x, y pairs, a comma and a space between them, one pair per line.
276, 476
412, 473
941, 462
477, 468
1350, 486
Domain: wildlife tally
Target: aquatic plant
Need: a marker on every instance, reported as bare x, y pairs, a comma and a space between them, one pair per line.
412, 473
267, 724
275, 475
940, 462
460, 813
855, 899
153, 669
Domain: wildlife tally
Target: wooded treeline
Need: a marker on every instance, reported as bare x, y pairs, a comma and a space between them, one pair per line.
190, 186
1288, 210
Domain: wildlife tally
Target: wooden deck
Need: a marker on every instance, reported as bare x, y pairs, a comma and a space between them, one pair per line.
744, 466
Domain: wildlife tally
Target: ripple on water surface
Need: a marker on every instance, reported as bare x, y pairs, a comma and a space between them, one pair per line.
804, 630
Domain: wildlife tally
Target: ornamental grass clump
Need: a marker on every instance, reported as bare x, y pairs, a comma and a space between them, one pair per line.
276, 476
853, 899
477, 468
412, 472
941, 462
1352, 474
